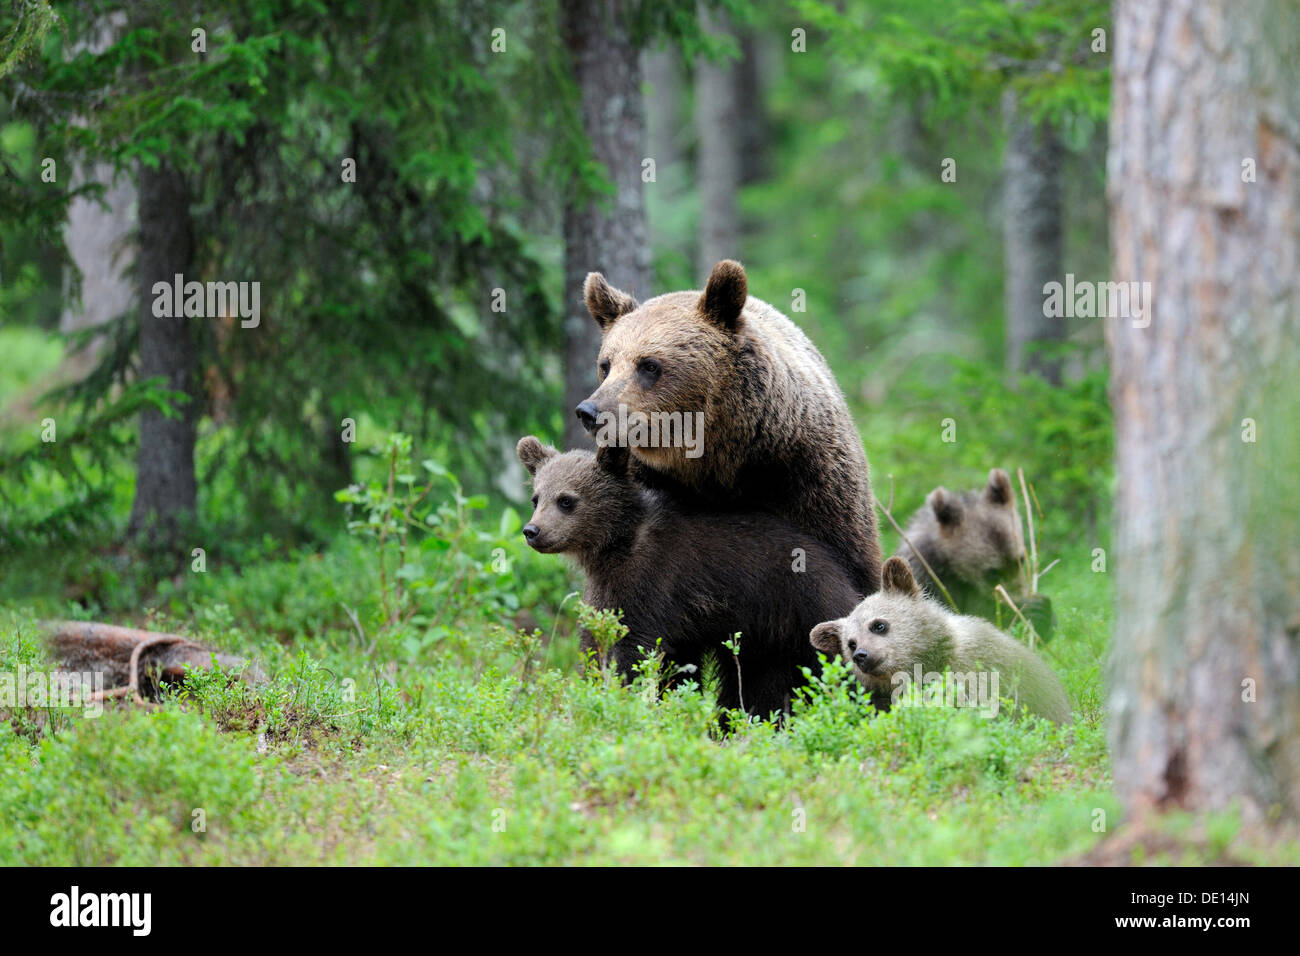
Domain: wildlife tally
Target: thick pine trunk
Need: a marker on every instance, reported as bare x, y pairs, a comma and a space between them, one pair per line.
1032, 233
608, 234
1205, 671
165, 489
717, 123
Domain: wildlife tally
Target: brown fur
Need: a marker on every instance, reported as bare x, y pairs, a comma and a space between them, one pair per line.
892, 631
972, 540
691, 578
778, 436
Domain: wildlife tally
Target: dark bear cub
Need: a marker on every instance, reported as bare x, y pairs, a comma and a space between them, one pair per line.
692, 578
972, 540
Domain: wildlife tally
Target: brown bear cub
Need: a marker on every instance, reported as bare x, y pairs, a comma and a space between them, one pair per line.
691, 578
898, 635
776, 432
971, 539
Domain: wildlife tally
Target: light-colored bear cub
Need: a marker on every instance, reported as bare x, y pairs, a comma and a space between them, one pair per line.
898, 635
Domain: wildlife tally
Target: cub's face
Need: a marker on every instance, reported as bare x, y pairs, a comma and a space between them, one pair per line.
870, 636
670, 356
577, 502
883, 634
981, 531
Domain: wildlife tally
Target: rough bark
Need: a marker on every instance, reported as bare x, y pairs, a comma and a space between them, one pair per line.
717, 122
1032, 233
1207, 546
605, 234
165, 490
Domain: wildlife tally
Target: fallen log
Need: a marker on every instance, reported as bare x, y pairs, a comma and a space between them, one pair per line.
133, 661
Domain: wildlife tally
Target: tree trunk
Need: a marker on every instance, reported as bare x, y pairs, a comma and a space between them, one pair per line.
663, 107
165, 489
1032, 233
606, 234
1205, 670
754, 75
99, 234
717, 122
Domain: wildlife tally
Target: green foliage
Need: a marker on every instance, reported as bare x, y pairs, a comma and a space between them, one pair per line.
606, 628
944, 54
436, 568
1060, 436
28, 22
140, 777
67, 468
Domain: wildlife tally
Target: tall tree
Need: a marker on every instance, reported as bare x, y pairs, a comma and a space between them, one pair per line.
165, 487
1033, 238
717, 124
602, 233
1204, 192
99, 230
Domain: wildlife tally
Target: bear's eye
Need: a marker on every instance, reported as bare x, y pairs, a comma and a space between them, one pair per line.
566, 503
853, 646
649, 370
534, 501
878, 626
604, 369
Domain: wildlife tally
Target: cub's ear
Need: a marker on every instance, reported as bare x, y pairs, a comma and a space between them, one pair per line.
533, 453
604, 302
897, 576
998, 491
612, 459
826, 636
945, 506
725, 295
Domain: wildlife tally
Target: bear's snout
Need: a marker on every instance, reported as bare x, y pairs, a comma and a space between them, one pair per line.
866, 661
531, 531
586, 413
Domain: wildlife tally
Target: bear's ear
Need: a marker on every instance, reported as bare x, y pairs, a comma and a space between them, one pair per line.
612, 459
998, 491
897, 576
725, 295
533, 453
946, 508
826, 636
604, 302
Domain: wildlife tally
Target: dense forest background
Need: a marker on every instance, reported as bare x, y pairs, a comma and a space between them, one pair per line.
428, 296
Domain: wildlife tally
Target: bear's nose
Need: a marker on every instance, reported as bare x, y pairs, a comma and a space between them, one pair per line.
530, 532
586, 413
865, 661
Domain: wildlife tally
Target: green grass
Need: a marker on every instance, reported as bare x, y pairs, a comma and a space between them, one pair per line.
459, 757
458, 753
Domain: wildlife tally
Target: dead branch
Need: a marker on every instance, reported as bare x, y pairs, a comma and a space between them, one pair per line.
920, 557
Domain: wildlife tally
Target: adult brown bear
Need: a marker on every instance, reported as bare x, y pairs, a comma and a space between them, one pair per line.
777, 434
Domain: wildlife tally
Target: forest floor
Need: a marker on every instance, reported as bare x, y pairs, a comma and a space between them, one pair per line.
461, 754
